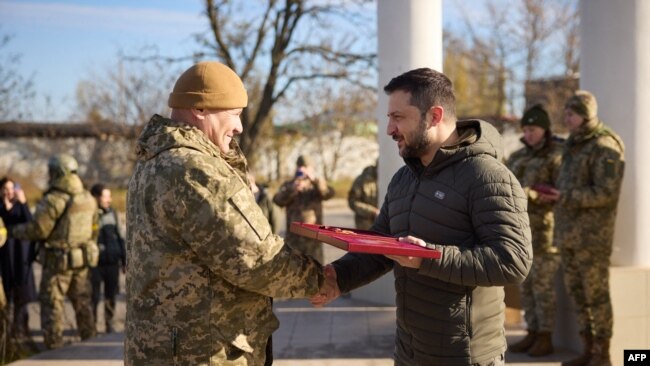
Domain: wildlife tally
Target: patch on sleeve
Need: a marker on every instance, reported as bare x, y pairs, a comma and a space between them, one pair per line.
610, 168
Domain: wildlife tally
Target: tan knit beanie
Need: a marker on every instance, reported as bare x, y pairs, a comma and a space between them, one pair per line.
583, 103
208, 85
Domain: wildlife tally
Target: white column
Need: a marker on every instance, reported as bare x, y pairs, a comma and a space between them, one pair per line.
615, 67
409, 36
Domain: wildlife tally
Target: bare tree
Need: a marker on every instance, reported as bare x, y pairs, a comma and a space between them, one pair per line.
517, 43
285, 43
125, 93
335, 115
16, 91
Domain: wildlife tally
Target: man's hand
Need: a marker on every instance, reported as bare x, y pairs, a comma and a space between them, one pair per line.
330, 289
406, 261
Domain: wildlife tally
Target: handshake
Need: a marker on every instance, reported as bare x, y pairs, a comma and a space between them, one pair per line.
329, 290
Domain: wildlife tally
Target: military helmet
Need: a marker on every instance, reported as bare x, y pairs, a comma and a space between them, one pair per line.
61, 165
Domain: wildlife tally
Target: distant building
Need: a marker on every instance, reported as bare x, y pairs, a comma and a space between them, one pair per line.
552, 93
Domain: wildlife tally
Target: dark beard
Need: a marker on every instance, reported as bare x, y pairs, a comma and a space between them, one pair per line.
418, 147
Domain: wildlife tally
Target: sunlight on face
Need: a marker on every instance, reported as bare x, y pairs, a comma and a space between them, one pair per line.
105, 200
221, 126
405, 125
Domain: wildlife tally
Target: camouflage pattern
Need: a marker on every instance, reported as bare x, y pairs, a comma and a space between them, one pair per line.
268, 208
304, 206
539, 165
362, 198
590, 181
202, 263
64, 232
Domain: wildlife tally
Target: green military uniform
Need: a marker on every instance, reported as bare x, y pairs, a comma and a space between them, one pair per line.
539, 165
304, 206
64, 220
202, 262
589, 181
362, 198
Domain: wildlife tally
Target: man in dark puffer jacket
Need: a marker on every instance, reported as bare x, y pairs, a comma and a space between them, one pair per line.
456, 196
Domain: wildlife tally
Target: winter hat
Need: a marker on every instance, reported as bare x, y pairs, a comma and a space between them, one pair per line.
536, 116
208, 85
583, 103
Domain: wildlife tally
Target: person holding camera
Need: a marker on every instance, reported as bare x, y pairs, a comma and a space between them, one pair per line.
303, 197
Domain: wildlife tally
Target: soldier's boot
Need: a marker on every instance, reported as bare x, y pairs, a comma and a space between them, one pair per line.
600, 353
524, 344
583, 359
543, 345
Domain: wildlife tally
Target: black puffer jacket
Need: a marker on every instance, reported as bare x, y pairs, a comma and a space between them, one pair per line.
469, 206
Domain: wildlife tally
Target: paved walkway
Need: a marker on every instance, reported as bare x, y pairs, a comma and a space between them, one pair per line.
349, 332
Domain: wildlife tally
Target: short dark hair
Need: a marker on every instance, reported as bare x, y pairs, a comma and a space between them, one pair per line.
5, 180
97, 189
428, 87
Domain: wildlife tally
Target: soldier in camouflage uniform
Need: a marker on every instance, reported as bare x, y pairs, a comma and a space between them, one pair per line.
202, 263
303, 198
588, 188
362, 198
64, 220
534, 165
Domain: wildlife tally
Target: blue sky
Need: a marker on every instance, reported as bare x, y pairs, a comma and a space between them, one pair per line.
64, 41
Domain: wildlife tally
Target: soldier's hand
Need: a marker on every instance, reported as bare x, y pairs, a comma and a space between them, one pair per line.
329, 290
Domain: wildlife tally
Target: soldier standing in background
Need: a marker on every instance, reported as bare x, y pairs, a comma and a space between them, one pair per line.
64, 220
362, 198
536, 165
303, 197
586, 198
112, 256
202, 263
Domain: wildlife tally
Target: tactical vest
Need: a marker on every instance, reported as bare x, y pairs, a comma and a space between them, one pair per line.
74, 228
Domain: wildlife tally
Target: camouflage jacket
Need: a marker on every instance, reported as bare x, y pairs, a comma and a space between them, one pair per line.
202, 262
306, 205
58, 227
589, 181
538, 165
362, 198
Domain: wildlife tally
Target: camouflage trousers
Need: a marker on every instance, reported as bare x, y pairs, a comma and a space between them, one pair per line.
586, 275
538, 293
310, 247
55, 285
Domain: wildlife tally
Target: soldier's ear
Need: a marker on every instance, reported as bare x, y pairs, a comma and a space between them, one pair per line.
198, 114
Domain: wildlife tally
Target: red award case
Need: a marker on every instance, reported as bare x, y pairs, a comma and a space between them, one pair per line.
361, 241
